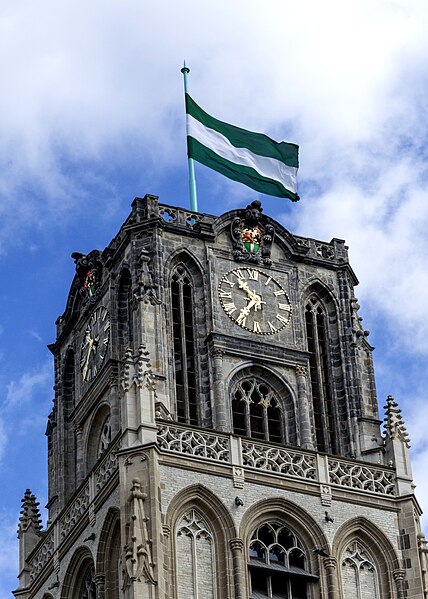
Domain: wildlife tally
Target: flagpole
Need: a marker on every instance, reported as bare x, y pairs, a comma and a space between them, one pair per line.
192, 180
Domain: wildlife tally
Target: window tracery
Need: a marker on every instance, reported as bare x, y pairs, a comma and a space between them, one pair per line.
88, 589
256, 412
195, 556
318, 348
278, 564
359, 574
184, 345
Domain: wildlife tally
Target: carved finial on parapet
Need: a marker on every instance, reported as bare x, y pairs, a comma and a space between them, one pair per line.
394, 423
128, 373
138, 561
30, 515
144, 370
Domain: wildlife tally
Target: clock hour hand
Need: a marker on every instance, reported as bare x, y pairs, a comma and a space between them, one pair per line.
86, 366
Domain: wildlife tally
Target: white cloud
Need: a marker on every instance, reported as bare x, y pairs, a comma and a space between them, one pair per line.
20, 399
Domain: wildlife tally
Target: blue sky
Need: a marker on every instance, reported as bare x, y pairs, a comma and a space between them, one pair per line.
91, 115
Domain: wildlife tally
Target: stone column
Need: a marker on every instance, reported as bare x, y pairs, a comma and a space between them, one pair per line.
399, 576
221, 420
237, 548
100, 582
306, 440
330, 566
80, 467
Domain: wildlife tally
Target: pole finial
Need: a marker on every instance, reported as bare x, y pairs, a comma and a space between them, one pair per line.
185, 69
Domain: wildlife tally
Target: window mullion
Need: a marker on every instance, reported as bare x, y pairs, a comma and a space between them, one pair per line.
322, 406
184, 354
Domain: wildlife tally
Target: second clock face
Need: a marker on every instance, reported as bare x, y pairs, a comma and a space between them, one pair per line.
254, 300
95, 343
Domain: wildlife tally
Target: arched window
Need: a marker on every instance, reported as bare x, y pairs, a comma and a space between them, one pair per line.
358, 573
196, 576
105, 436
68, 382
124, 309
256, 412
182, 302
320, 369
278, 564
88, 589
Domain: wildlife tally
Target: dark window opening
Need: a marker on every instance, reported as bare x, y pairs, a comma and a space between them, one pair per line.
322, 401
184, 347
256, 412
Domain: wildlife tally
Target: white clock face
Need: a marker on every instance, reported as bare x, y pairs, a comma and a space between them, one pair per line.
254, 300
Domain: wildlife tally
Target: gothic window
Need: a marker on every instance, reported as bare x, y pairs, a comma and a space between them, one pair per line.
124, 306
196, 574
182, 301
358, 573
69, 382
256, 412
105, 437
277, 563
318, 348
88, 589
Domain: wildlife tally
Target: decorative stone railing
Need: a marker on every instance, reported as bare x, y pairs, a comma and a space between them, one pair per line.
195, 443
286, 461
61, 528
365, 478
276, 459
43, 555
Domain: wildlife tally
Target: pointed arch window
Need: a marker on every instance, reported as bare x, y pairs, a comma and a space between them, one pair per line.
124, 309
323, 409
256, 412
182, 302
359, 574
278, 564
195, 555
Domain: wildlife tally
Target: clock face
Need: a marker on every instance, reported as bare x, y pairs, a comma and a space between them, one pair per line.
95, 343
254, 300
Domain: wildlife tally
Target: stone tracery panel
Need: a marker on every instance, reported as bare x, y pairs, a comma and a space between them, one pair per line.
357, 476
194, 443
275, 459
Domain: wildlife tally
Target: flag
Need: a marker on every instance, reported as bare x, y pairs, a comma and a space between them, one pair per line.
253, 159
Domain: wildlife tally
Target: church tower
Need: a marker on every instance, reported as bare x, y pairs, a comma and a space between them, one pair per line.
215, 431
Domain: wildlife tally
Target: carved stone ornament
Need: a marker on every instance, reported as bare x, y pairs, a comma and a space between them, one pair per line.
138, 550
252, 235
88, 270
146, 286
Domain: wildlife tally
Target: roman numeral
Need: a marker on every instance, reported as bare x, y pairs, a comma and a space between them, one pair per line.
241, 320
272, 328
238, 273
229, 308
256, 327
281, 318
279, 292
268, 280
227, 294
253, 274
226, 280
284, 307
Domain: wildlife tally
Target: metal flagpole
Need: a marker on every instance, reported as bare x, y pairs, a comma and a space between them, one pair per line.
192, 180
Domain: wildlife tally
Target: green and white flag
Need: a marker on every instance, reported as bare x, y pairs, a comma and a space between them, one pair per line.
251, 158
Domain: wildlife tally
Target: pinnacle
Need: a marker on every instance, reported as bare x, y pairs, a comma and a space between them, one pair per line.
30, 514
394, 423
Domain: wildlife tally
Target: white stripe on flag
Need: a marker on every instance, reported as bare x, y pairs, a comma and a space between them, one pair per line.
218, 143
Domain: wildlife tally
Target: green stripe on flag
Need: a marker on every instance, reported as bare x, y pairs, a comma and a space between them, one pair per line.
260, 144
243, 174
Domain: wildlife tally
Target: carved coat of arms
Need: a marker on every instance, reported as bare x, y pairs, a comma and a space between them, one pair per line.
252, 235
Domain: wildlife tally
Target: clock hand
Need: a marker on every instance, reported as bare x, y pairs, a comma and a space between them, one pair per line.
251, 294
86, 366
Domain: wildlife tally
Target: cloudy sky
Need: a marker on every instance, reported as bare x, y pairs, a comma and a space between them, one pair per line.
91, 115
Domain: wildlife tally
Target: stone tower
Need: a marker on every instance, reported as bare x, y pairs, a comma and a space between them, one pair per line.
215, 431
